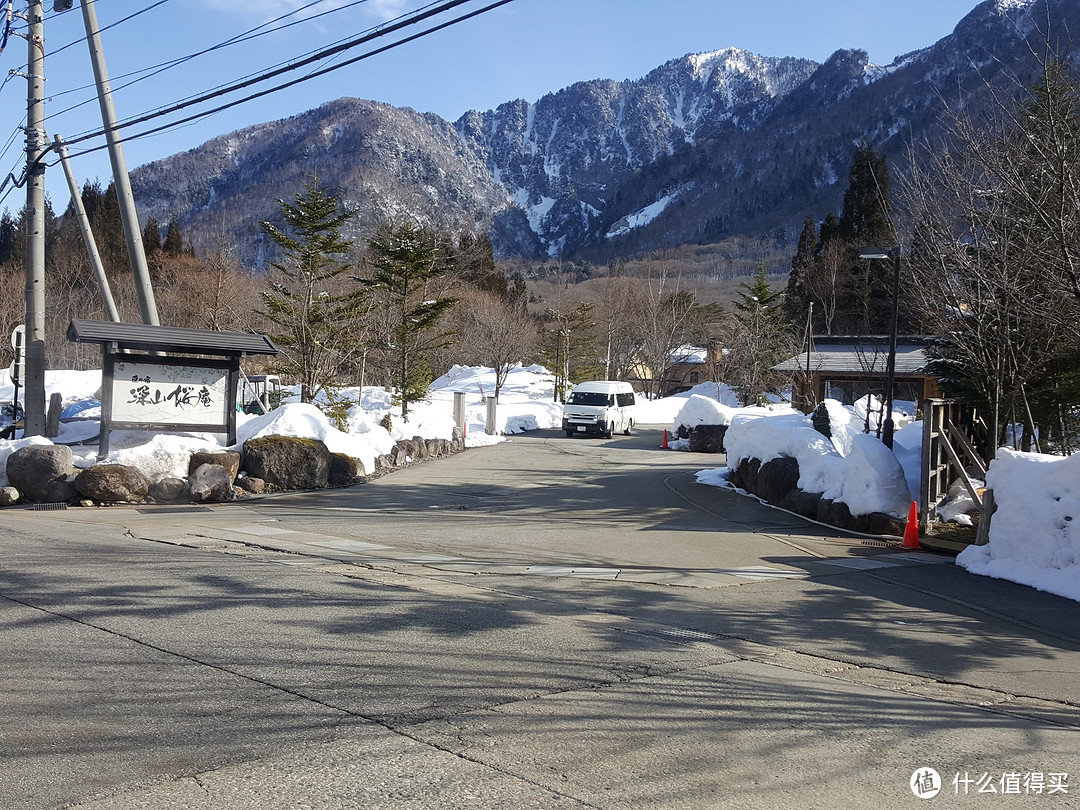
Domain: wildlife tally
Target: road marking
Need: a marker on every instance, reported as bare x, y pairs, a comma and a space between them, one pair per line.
571, 571
262, 531
860, 563
760, 572
341, 544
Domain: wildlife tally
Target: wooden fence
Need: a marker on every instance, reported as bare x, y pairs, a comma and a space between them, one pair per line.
955, 447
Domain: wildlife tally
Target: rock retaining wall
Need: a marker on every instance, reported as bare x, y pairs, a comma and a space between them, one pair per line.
44, 473
776, 481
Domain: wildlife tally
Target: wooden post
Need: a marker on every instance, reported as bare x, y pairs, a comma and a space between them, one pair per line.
52, 420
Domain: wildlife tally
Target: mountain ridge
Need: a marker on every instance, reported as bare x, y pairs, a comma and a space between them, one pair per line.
703, 147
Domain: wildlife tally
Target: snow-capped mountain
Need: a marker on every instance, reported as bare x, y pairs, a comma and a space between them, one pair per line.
703, 147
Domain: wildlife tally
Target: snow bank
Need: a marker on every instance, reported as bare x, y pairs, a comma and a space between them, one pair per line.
157, 456
663, 411
307, 421
699, 410
868, 479
1035, 532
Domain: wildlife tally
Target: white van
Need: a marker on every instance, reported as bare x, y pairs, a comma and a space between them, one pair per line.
599, 407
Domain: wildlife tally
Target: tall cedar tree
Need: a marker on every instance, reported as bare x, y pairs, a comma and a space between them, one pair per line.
314, 311
174, 242
850, 295
407, 262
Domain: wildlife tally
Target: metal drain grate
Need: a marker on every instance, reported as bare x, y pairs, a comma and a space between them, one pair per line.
683, 633
49, 507
880, 543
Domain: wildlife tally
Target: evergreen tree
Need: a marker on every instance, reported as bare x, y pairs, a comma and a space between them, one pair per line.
797, 298
865, 219
407, 264
151, 236
310, 302
760, 338
10, 249
174, 243
829, 233
866, 222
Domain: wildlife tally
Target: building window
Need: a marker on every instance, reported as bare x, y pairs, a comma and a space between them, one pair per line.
693, 378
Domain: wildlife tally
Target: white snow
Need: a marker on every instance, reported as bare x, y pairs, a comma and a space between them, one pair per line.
642, 217
1034, 534
1033, 539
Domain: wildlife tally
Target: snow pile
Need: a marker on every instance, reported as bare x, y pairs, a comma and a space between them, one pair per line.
868, 479
157, 456
699, 410
73, 386
526, 401
1035, 532
307, 421
663, 411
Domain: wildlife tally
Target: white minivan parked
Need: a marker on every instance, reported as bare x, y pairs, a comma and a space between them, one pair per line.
599, 407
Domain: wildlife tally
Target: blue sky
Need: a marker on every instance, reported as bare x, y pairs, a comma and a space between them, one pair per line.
521, 50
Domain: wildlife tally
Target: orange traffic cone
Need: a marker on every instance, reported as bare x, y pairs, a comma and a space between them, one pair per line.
911, 530
664, 444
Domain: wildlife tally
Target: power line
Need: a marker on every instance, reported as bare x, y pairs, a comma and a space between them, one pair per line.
333, 50
246, 36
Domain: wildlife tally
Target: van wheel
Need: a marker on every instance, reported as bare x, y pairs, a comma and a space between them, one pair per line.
608, 432
569, 434
629, 428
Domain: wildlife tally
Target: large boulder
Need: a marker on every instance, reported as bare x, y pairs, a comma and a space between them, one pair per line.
40, 473
168, 489
211, 483
343, 470
112, 483
707, 438
776, 478
228, 459
251, 485
287, 462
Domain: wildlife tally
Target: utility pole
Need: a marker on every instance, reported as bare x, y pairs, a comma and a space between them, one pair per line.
121, 182
34, 396
87, 232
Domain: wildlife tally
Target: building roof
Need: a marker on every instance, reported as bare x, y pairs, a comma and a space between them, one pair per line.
146, 337
860, 355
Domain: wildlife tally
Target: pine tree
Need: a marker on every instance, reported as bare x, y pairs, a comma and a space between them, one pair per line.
760, 338
314, 307
797, 298
151, 236
174, 242
865, 221
865, 218
407, 264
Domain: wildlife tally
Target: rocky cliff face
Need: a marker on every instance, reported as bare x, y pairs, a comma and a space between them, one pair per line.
704, 147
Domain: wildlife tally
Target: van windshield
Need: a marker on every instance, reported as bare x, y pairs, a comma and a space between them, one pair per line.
588, 398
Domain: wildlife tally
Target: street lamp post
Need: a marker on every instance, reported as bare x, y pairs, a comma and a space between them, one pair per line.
887, 425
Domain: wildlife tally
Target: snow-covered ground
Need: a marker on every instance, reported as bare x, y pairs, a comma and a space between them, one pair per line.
1033, 539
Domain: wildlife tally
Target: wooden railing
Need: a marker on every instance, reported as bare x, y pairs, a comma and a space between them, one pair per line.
955, 446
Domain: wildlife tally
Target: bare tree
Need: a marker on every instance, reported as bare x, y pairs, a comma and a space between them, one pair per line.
494, 333
996, 258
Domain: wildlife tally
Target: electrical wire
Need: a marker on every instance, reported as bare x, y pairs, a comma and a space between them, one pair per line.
246, 36
325, 53
337, 49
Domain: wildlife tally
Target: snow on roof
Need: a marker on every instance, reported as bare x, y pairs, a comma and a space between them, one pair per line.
689, 354
859, 355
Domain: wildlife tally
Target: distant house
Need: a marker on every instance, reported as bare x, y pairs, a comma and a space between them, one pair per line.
687, 366
849, 368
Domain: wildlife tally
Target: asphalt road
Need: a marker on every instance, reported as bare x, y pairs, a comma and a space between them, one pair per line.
545, 623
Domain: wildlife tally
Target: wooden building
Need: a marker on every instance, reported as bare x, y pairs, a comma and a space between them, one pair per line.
849, 368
